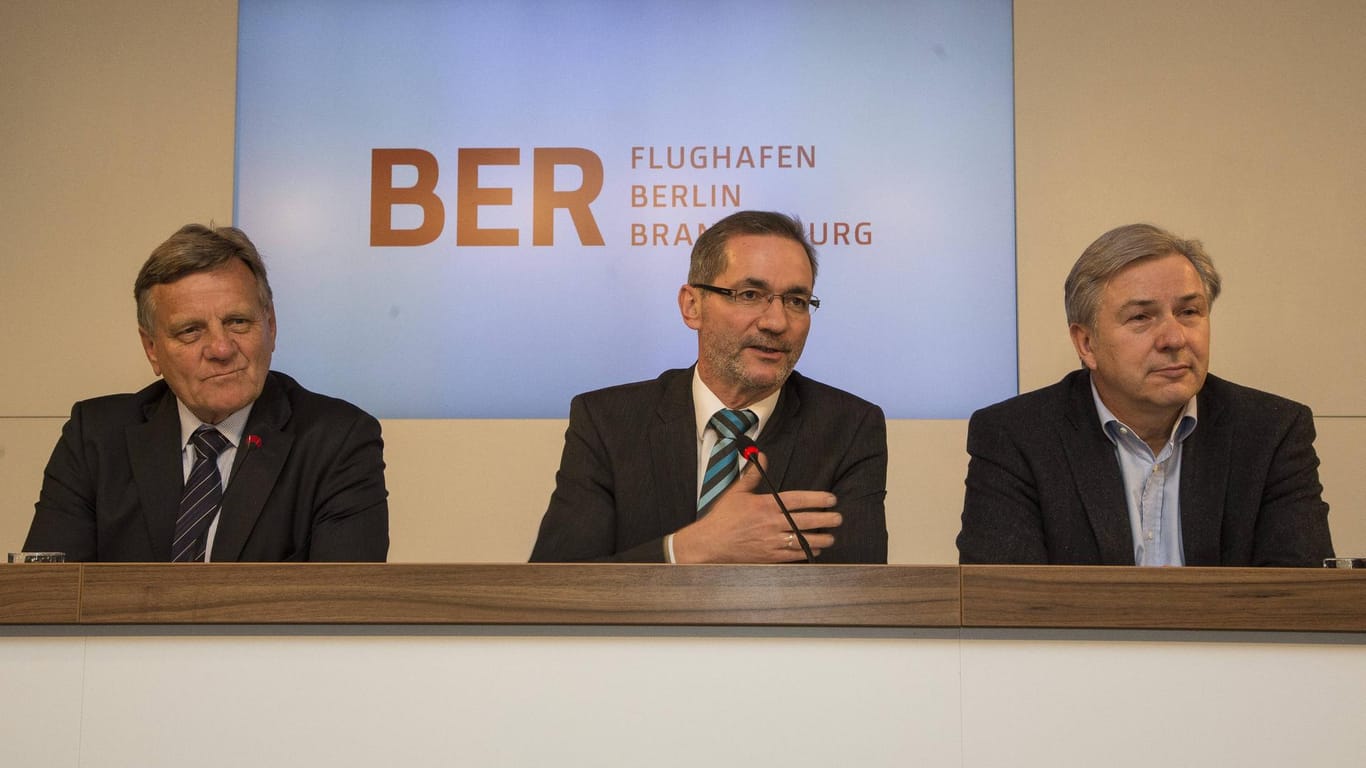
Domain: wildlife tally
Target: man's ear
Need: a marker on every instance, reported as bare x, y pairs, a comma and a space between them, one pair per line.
690, 306
270, 325
149, 349
1082, 339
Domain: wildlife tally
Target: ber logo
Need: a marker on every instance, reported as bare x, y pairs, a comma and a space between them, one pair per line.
470, 197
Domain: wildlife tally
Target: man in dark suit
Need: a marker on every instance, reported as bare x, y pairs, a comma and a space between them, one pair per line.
651, 471
1143, 458
223, 459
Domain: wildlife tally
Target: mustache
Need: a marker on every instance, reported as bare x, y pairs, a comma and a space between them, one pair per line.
766, 341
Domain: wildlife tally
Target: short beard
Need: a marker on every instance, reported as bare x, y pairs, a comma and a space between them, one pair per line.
734, 369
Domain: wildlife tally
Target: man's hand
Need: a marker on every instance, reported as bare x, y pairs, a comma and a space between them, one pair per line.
746, 526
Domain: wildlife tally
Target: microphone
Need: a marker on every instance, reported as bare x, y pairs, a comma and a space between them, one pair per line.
751, 453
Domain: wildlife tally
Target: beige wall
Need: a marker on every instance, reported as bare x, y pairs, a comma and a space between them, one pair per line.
1238, 122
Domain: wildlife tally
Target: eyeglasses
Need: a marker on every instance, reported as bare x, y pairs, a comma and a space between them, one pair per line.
752, 298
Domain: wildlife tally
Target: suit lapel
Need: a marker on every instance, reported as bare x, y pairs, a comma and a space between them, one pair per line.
154, 452
779, 437
672, 437
1091, 458
254, 471
1204, 477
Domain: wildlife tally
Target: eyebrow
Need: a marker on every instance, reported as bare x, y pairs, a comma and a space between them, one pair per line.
183, 325
755, 282
1154, 302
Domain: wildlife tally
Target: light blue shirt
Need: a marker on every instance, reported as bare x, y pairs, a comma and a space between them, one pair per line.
1152, 485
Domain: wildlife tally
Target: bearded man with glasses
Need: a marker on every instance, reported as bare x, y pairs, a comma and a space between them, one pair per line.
652, 471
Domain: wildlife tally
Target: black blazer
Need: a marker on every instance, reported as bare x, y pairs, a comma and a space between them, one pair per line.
1044, 485
628, 475
312, 490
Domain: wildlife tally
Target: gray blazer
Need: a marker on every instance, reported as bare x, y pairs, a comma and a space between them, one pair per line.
628, 475
1044, 484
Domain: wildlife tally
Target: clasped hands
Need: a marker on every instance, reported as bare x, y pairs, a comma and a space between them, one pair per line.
745, 525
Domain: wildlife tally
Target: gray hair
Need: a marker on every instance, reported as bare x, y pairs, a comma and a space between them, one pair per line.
196, 248
709, 252
1117, 249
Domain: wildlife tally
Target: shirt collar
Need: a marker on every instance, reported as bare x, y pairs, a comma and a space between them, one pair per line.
232, 427
1182, 429
705, 403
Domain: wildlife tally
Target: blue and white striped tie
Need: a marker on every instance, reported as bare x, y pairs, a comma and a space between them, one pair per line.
722, 467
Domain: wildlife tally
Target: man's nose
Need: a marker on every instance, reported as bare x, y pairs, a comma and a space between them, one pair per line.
773, 317
218, 344
1171, 334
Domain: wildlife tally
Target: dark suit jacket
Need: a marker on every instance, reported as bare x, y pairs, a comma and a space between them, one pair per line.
1044, 485
628, 476
312, 490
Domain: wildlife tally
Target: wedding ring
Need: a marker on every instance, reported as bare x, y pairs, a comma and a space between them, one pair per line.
789, 541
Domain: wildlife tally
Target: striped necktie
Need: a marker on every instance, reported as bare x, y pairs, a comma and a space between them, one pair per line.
202, 497
722, 467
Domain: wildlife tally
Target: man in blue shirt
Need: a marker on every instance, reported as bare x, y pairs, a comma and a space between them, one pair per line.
1142, 457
